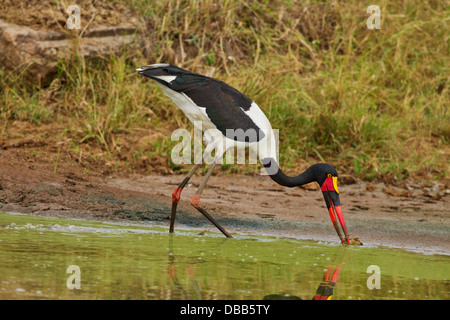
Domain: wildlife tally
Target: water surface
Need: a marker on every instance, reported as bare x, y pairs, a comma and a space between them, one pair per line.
138, 262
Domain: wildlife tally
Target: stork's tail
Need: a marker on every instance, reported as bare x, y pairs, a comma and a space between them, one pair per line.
165, 73
153, 66
160, 72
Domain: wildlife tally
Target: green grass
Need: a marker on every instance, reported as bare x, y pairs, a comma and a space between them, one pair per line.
373, 102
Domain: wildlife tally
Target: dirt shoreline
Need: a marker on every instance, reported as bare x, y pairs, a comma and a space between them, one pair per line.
414, 217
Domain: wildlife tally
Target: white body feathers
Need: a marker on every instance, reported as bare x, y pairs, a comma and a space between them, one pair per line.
214, 138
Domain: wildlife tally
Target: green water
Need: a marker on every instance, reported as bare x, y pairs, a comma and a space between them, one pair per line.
134, 262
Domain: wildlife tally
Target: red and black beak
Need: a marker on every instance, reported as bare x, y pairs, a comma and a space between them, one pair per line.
331, 195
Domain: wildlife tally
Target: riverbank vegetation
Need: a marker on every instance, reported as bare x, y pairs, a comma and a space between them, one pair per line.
373, 102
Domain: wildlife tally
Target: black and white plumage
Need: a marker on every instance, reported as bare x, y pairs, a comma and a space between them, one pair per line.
224, 113
220, 109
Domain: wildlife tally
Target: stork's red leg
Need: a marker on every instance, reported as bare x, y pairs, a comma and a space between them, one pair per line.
195, 201
176, 194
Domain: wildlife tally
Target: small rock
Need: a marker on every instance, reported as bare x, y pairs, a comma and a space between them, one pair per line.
355, 242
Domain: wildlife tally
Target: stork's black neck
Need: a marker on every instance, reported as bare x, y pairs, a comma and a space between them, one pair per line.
313, 173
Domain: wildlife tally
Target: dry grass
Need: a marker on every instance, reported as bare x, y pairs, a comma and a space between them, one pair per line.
373, 102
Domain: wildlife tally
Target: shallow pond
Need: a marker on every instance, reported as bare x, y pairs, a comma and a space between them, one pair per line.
120, 261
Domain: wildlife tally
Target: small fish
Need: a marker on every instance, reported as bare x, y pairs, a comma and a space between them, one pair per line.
355, 241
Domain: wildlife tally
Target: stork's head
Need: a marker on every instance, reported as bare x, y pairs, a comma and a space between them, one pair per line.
327, 177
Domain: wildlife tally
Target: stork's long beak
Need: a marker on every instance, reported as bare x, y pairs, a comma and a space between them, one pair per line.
331, 195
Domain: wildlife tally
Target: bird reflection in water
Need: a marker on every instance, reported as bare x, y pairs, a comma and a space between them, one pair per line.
325, 289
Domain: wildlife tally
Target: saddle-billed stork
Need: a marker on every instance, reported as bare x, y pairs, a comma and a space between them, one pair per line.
221, 111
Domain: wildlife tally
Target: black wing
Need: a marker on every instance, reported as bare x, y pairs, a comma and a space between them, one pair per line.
224, 105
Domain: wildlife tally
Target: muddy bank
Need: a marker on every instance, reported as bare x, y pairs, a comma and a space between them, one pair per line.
415, 216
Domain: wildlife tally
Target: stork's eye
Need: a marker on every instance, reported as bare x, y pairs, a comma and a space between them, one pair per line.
329, 175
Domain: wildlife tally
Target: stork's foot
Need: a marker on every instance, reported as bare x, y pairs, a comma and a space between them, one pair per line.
195, 201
